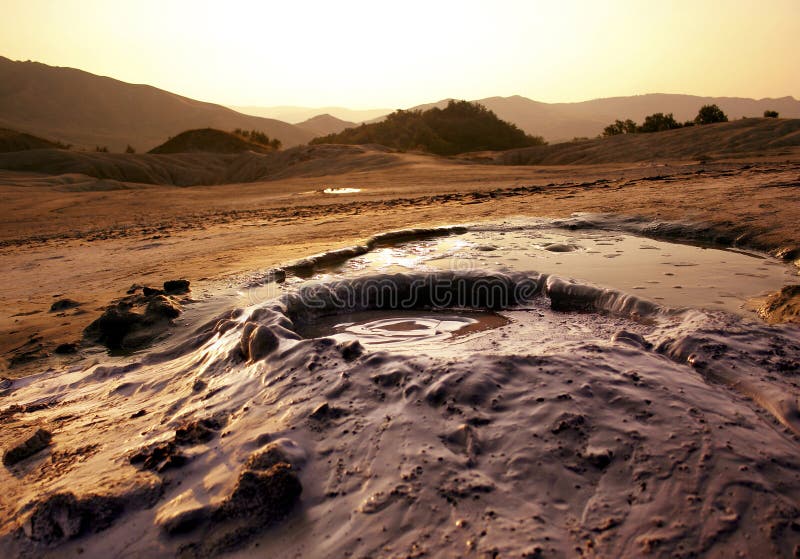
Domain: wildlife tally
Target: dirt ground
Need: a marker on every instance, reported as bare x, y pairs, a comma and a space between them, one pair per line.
83, 239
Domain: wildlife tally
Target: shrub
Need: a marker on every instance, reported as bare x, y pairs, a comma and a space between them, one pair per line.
770, 114
620, 127
130, 149
658, 122
709, 114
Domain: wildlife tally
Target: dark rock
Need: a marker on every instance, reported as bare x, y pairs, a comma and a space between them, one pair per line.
600, 459
175, 287
62, 516
139, 413
199, 385
150, 291
63, 305
351, 350
119, 327
113, 326
27, 445
67, 348
390, 379
161, 306
265, 495
197, 432
159, 458
569, 422
325, 411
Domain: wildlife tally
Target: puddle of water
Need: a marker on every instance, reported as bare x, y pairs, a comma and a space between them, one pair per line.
402, 329
341, 190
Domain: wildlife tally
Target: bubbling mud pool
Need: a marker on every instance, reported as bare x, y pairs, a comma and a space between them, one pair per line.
444, 392
402, 330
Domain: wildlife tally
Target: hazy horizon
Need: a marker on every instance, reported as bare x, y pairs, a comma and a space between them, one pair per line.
362, 55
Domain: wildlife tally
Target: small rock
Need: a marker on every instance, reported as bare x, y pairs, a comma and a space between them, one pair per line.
27, 445
267, 496
197, 431
113, 326
159, 457
351, 350
63, 516
163, 307
63, 305
199, 385
325, 411
66, 348
175, 287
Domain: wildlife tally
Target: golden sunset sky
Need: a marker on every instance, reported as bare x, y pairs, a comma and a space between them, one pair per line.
399, 54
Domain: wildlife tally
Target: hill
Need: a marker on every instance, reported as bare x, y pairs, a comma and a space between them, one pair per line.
294, 114
79, 108
459, 127
565, 121
11, 140
71, 168
737, 139
322, 125
744, 137
209, 140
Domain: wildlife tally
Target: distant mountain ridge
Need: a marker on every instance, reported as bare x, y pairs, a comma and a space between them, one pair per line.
293, 114
322, 125
87, 110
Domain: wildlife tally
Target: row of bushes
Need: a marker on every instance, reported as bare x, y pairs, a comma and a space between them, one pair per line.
258, 137
658, 122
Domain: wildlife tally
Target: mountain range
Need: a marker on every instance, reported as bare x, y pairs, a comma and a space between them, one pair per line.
75, 107
79, 108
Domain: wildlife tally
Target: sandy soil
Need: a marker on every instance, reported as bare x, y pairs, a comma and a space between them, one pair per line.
73, 237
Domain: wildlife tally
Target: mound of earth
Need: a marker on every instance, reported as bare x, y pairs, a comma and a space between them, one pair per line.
181, 168
208, 140
752, 136
11, 140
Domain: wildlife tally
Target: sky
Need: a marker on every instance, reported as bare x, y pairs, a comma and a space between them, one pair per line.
377, 53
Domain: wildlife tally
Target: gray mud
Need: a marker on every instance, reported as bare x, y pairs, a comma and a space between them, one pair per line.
424, 398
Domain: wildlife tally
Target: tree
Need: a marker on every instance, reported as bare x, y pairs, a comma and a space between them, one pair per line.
658, 122
770, 114
620, 127
709, 114
130, 149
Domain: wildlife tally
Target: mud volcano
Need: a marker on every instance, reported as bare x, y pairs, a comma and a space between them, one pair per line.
430, 394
